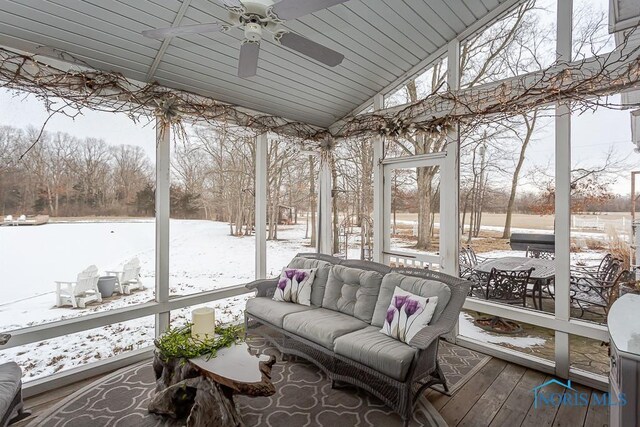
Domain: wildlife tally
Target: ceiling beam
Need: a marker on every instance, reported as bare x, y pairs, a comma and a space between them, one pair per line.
618, 71
417, 69
165, 43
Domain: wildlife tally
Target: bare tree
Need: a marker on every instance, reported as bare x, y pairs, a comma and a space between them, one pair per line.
529, 121
590, 183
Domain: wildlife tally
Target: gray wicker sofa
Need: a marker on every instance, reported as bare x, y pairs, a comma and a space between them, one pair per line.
339, 332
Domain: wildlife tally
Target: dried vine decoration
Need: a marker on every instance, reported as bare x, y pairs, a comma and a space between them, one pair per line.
401, 128
81, 87
582, 84
167, 112
396, 127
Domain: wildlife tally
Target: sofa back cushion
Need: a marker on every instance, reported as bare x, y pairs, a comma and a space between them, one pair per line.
320, 281
365, 265
415, 285
352, 291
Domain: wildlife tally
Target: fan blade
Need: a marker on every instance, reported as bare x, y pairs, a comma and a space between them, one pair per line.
163, 33
248, 61
311, 49
231, 4
294, 9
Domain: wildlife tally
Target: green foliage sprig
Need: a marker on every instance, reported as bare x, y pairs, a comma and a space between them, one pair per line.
178, 343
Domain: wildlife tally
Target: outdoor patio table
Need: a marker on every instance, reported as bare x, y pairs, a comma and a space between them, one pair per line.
544, 271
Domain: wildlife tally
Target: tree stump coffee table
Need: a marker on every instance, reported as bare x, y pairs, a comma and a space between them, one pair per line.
202, 390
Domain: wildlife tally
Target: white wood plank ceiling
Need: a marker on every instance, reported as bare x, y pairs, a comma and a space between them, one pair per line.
623, 14
380, 39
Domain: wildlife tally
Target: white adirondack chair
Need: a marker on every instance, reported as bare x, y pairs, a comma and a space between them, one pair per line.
84, 290
129, 277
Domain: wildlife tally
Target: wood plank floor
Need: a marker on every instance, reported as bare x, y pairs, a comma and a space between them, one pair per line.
498, 395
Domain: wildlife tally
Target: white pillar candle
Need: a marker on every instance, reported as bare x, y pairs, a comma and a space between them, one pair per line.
203, 322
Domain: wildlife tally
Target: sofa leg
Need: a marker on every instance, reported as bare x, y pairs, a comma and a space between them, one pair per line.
442, 378
333, 384
21, 415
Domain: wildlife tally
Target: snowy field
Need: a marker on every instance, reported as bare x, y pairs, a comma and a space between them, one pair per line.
203, 257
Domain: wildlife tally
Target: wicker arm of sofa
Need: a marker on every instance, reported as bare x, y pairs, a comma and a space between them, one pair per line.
263, 287
447, 320
427, 336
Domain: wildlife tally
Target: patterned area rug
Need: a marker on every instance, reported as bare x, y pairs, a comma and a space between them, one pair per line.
304, 397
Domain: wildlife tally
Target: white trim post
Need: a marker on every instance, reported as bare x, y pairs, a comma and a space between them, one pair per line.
262, 149
450, 174
378, 189
325, 202
163, 212
563, 195
449, 222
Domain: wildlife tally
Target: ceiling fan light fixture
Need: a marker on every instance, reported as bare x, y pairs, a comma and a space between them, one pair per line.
253, 32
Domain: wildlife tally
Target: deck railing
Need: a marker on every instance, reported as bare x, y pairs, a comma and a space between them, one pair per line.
413, 260
33, 334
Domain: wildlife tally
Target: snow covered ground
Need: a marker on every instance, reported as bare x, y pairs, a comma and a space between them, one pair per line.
203, 257
470, 330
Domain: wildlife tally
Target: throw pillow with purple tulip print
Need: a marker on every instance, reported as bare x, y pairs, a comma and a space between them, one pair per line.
408, 314
294, 286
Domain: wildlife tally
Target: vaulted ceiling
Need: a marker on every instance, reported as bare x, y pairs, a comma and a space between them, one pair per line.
380, 39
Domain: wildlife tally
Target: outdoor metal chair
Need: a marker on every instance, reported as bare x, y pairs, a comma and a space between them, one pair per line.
467, 261
599, 271
590, 292
540, 252
508, 286
474, 258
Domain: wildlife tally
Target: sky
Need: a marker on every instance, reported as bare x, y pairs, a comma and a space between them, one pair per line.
593, 134
22, 110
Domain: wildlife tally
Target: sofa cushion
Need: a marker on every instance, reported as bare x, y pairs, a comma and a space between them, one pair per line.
322, 326
415, 285
377, 351
272, 311
10, 377
352, 291
320, 279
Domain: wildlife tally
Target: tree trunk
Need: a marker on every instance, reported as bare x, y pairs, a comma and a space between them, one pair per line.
312, 199
334, 199
516, 174
425, 187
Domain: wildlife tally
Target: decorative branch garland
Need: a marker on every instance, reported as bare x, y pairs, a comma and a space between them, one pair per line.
580, 83
81, 87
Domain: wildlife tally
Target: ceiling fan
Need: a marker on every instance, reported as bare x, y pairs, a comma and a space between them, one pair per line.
257, 17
